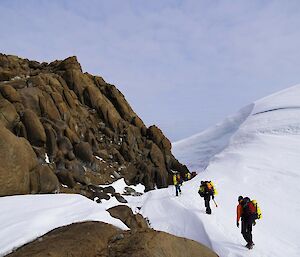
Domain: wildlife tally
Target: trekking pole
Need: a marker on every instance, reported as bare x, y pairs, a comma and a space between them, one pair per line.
215, 202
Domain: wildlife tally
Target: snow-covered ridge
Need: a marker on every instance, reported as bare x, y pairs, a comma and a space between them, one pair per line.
281, 114
198, 150
261, 160
285, 99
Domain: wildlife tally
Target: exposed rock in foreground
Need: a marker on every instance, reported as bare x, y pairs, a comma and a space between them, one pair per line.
81, 132
91, 239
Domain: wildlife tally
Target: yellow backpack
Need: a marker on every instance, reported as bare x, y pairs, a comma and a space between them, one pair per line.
258, 210
213, 186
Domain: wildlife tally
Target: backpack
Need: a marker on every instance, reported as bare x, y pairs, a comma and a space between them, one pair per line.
258, 210
179, 179
215, 192
207, 188
251, 209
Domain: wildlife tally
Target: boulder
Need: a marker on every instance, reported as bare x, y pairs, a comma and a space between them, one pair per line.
65, 145
109, 190
35, 130
51, 143
84, 152
8, 114
10, 93
152, 243
17, 160
43, 180
77, 170
48, 108
120, 198
89, 239
101, 239
125, 214
66, 178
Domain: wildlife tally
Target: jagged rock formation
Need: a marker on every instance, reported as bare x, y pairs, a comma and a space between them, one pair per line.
81, 132
104, 240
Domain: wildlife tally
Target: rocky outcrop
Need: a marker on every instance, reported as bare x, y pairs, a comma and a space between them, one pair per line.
101, 239
125, 214
80, 126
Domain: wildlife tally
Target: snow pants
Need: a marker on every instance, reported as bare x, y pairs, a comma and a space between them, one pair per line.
246, 229
178, 190
206, 203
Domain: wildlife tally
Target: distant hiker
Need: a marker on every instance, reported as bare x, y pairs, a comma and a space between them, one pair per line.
248, 211
177, 180
207, 190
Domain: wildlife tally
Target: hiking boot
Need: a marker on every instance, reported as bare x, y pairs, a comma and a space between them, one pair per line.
249, 245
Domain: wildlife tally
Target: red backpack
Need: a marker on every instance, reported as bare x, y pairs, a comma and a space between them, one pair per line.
248, 208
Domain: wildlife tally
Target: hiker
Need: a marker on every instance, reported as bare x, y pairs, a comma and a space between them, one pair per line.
207, 191
177, 180
247, 212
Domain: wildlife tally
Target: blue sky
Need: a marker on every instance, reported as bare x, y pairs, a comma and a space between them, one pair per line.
183, 65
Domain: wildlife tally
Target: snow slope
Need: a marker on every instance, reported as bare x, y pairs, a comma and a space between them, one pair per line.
254, 153
262, 161
26, 217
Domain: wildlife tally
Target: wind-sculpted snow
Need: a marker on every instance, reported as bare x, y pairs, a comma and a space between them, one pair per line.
288, 98
198, 150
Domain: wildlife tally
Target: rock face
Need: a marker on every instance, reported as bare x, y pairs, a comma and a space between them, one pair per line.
104, 240
76, 124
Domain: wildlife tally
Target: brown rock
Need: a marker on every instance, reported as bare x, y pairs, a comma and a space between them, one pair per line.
152, 243
101, 239
77, 170
69, 98
8, 114
155, 134
157, 156
17, 159
65, 145
120, 198
74, 139
10, 93
31, 97
35, 130
66, 178
78, 107
51, 145
48, 108
84, 152
89, 239
69, 64
43, 180
125, 214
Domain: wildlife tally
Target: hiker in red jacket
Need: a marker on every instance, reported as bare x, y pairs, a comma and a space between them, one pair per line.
247, 211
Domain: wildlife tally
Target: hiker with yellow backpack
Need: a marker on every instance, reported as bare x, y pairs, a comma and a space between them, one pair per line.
207, 190
177, 181
248, 211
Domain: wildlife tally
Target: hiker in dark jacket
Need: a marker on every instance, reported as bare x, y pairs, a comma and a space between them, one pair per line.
246, 211
206, 191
